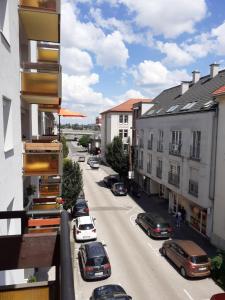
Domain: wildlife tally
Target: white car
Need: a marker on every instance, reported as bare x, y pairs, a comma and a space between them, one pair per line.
84, 229
94, 164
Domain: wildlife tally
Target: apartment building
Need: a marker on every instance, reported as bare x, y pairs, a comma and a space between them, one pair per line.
176, 148
30, 92
118, 121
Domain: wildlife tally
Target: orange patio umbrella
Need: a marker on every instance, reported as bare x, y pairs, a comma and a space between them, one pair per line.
63, 112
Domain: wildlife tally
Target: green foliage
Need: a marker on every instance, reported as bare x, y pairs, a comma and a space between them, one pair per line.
116, 157
31, 279
65, 147
72, 182
218, 268
85, 140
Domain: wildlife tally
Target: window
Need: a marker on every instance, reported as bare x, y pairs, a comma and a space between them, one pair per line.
150, 140
172, 108
151, 112
126, 119
125, 148
7, 125
195, 147
125, 133
4, 19
188, 106
121, 133
160, 141
141, 160
149, 164
176, 137
121, 119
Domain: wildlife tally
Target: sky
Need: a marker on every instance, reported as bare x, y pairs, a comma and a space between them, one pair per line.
114, 50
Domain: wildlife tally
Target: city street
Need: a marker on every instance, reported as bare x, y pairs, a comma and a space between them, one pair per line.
135, 258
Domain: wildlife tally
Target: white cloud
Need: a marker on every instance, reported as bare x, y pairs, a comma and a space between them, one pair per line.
110, 49
153, 74
79, 95
168, 17
219, 34
75, 61
174, 54
131, 94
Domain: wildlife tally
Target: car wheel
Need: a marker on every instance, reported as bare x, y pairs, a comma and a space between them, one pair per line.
137, 221
149, 233
183, 272
163, 251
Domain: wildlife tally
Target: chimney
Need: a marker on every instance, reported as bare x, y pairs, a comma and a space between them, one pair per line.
214, 69
195, 76
184, 86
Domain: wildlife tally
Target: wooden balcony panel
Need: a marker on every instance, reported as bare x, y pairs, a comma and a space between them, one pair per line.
37, 4
42, 66
45, 206
29, 251
44, 200
43, 230
49, 107
48, 55
40, 24
40, 147
43, 222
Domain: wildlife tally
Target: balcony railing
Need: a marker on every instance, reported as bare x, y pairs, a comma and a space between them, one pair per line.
159, 172
50, 189
40, 19
174, 179
46, 54
45, 244
193, 188
195, 153
42, 159
175, 149
160, 146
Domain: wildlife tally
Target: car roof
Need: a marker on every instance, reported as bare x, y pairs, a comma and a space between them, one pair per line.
95, 249
108, 290
85, 220
190, 247
157, 218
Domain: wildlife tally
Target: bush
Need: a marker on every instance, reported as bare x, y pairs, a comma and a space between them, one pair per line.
65, 147
218, 268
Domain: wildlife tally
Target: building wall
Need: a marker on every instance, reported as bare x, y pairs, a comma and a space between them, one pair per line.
186, 123
10, 135
218, 237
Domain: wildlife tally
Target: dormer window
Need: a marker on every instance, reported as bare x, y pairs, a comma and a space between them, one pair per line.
188, 105
172, 108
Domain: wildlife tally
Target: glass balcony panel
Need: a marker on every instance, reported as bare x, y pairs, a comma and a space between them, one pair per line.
49, 107
45, 206
49, 190
39, 4
48, 55
35, 164
40, 25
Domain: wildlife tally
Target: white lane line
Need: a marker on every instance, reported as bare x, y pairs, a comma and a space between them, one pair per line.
189, 296
155, 250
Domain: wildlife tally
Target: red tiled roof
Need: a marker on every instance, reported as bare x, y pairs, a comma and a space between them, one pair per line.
126, 106
219, 91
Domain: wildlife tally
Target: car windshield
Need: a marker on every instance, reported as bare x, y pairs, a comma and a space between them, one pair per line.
162, 225
86, 226
199, 259
97, 261
80, 205
120, 186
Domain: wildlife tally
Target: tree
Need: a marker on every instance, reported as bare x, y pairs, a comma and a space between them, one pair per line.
65, 147
85, 140
116, 157
72, 182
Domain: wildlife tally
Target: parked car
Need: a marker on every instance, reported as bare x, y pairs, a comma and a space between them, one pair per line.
80, 208
154, 225
94, 261
110, 292
119, 189
220, 296
92, 158
81, 158
84, 228
191, 260
110, 180
94, 164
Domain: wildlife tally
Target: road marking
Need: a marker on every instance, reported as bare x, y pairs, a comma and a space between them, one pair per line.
189, 296
155, 250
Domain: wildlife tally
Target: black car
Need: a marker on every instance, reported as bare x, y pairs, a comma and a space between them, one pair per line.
154, 225
92, 158
80, 208
110, 180
110, 292
94, 261
119, 189
81, 158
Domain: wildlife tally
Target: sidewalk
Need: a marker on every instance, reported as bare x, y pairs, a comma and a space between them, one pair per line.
160, 206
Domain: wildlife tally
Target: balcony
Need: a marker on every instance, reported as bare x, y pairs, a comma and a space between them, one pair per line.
195, 153
43, 86
50, 189
150, 144
44, 243
42, 159
149, 168
174, 179
160, 146
40, 19
193, 188
48, 53
159, 172
175, 149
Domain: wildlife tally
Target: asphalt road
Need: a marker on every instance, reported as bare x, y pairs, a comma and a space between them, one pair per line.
135, 259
